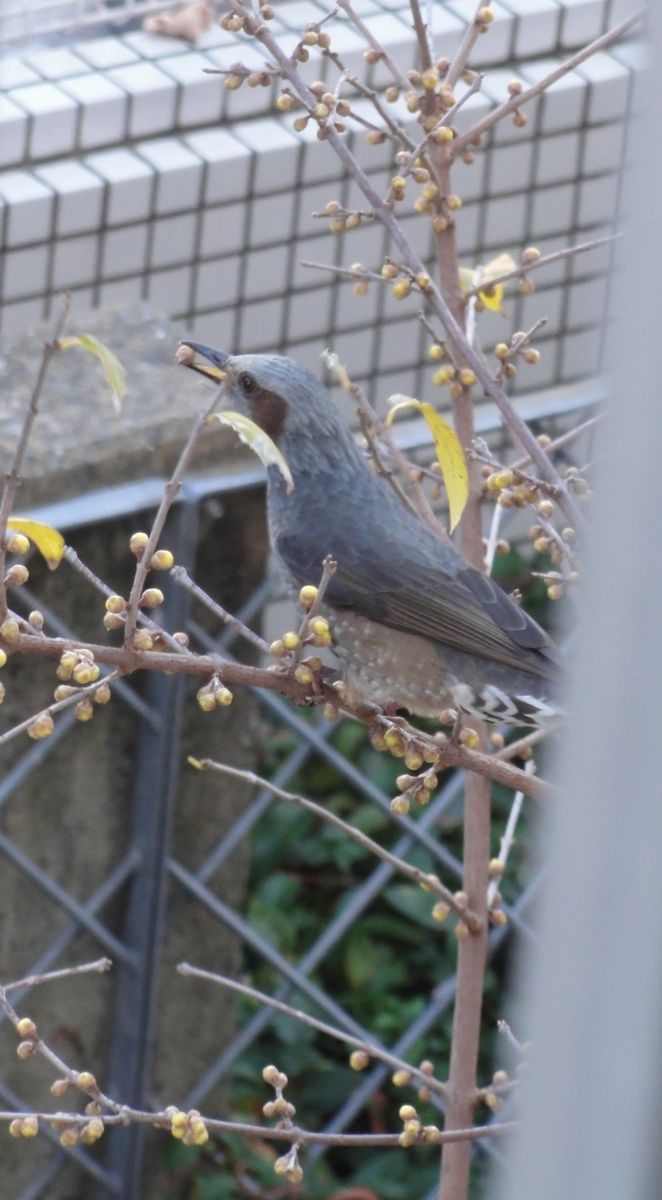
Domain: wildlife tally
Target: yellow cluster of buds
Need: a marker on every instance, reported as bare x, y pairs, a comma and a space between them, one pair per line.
91, 1132
26, 1127
412, 1125
319, 631
214, 695
189, 1127
289, 1166
79, 666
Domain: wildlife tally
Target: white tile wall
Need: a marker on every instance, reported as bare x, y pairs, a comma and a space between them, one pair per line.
24, 272
124, 250
105, 52
130, 183
29, 207
53, 119
56, 63
218, 282
173, 240
222, 230
103, 109
266, 270
78, 196
228, 162
308, 313
152, 96
13, 132
275, 151
194, 214
538, 23
168, 291
558, 157
582, 22
178, 173
75, 261
22, 315
215, 328
200, 95
15, 73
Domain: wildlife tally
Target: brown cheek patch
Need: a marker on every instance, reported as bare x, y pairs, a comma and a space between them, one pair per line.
269, 411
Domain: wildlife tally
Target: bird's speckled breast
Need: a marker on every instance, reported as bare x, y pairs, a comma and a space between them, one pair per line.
388, 667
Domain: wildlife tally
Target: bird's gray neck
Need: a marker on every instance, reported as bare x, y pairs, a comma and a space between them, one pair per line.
318, 460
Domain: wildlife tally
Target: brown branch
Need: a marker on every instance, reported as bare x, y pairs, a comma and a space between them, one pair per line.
292, 1134
128, 660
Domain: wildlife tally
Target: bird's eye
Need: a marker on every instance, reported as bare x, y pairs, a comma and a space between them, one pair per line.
247, 383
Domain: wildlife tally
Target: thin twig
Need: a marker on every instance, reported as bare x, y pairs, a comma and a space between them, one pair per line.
563, 439
100, 966
544, 261
44, 1050
429, 882
13, 476
423, 35
516, 102
469, 38
504, 1029
399, 1064
506, 842
169, 495
524, 744
373, 43
79, 694
292, 1134
182, 577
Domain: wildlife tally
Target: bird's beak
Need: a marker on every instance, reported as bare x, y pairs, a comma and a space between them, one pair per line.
187, 356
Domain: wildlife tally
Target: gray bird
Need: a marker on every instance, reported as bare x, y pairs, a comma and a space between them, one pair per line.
414, 626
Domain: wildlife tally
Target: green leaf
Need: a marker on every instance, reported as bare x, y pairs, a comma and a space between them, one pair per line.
110, 364
48, 541
258, 441
449, 453
360, 961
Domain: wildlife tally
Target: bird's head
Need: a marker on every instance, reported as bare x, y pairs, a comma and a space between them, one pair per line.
286, 400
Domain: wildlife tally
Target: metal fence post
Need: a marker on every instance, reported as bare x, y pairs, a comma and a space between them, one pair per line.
158, 755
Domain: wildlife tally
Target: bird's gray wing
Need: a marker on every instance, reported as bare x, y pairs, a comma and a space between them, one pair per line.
413, 590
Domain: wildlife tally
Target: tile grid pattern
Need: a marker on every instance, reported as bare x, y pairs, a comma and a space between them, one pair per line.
129, 173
